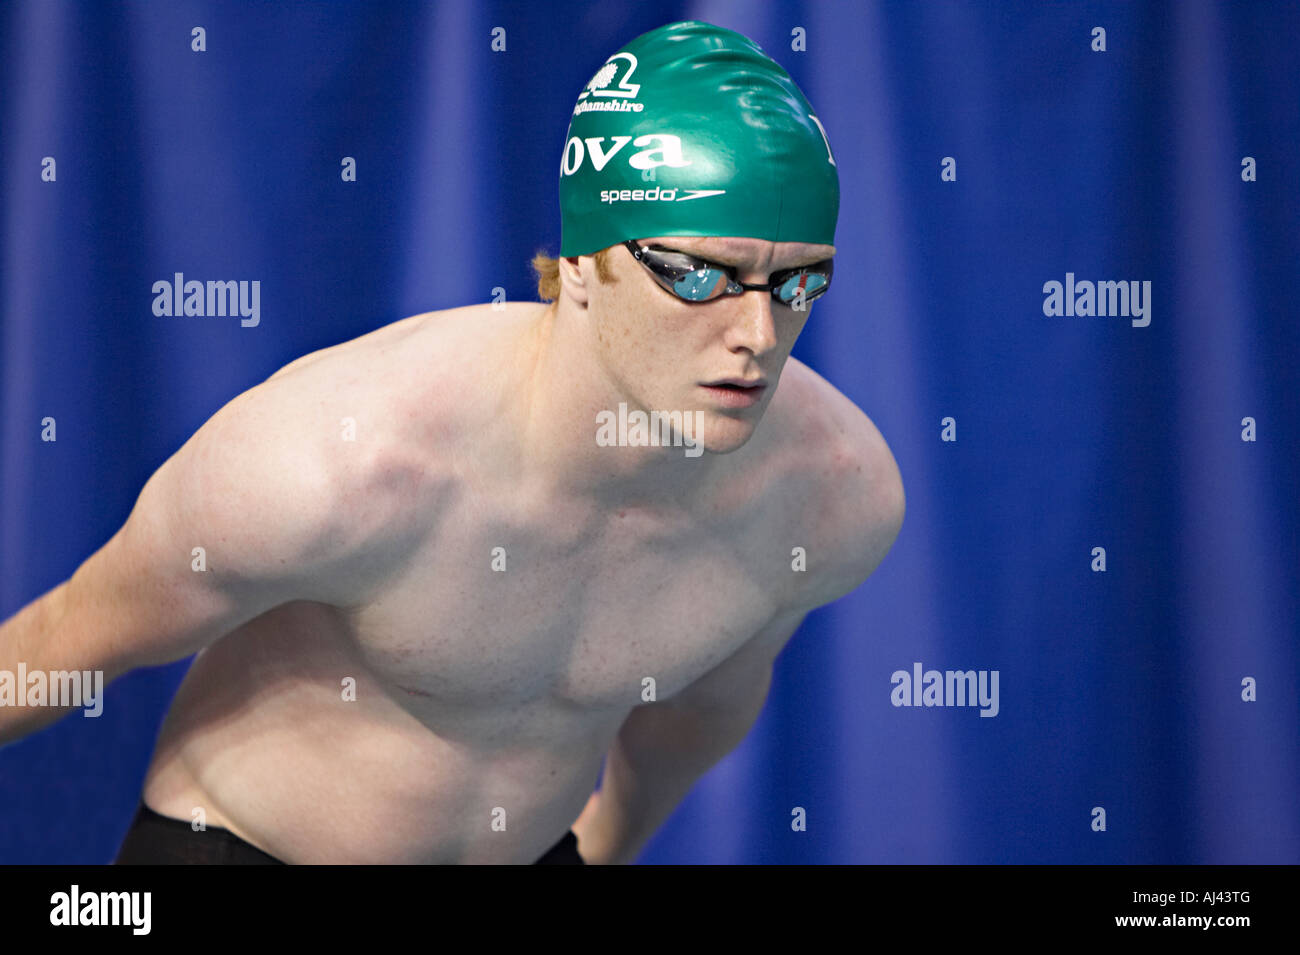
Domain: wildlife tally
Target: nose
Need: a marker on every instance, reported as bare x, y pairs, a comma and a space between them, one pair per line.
753, 326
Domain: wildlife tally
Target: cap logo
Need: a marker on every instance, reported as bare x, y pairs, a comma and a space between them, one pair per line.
605, 75
667, 152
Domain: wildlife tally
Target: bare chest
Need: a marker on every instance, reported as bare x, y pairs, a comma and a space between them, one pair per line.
563, 609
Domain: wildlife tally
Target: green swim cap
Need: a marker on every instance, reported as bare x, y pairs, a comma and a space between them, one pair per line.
691, 129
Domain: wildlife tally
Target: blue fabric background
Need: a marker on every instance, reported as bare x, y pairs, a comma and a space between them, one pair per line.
1119, 689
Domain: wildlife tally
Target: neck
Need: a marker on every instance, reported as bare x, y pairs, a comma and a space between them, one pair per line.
566, 387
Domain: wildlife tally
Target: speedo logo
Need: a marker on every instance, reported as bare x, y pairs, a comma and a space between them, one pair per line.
656, 194
660, 149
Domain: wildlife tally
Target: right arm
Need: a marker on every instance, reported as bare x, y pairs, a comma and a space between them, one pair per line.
254, 488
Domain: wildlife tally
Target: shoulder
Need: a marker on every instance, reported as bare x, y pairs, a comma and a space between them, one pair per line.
317, 468
850, 489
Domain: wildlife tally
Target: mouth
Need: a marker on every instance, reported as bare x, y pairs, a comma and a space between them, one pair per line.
736, 392
736, 383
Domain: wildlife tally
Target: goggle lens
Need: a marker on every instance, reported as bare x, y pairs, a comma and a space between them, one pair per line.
701, 285
812, 283
692, 280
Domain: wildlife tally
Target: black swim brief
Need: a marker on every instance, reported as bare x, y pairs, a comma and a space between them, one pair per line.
155, 839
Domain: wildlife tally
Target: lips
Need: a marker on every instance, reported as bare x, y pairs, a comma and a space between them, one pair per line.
736, 383
736, 392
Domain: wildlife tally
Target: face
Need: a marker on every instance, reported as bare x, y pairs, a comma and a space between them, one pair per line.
666, 354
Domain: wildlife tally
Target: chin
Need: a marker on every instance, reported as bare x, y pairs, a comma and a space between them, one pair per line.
724, 433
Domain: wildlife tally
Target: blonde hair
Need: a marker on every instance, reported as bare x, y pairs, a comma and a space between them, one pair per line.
548, 273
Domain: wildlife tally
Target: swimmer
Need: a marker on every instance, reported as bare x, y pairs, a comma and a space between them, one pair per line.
431, 600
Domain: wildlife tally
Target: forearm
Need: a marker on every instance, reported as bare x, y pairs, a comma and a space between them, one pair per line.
660, 752
23, 638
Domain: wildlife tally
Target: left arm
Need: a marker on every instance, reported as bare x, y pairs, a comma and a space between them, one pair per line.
664, 747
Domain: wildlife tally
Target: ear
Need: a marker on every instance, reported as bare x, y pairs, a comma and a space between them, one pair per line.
572, 281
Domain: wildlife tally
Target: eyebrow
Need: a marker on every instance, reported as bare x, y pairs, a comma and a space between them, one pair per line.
722, 259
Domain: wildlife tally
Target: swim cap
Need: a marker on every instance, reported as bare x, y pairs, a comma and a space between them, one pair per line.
691, 129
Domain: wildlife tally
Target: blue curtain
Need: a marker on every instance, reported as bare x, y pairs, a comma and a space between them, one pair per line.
986, 149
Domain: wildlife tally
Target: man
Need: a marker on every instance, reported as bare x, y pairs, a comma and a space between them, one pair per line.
430, 585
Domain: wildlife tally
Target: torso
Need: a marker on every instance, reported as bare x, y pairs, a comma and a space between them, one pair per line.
479, 692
